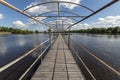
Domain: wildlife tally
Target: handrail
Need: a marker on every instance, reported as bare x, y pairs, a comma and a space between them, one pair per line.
21, 57
98, 59
84, 64
24, 74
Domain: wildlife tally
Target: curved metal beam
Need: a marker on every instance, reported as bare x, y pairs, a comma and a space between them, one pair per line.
60, 11
97, 11
57, 16
21, 12
54, 17
60, 2
53, 21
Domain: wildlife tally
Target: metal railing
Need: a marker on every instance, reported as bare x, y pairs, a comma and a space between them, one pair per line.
87, 61
42, 48
87, 73
79, 60
27, 74
21, 57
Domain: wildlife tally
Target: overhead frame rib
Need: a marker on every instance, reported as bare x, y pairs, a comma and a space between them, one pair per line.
21, 12
62, 19
104, 7
59, 17
76, 15
60, 2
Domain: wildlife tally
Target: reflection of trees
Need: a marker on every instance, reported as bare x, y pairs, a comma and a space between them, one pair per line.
3, 47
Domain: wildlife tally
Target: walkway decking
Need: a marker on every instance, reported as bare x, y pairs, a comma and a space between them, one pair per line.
58, 64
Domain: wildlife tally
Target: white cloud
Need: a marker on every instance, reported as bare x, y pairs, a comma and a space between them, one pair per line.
49, 7
1, 16
41, 29
110, 20
19, 24
37, 10
81, 26
101, 19
70, 6
32, 22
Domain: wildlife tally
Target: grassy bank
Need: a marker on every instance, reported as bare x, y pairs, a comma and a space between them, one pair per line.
5, 33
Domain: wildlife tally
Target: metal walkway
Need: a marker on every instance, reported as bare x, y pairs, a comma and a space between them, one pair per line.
58, 64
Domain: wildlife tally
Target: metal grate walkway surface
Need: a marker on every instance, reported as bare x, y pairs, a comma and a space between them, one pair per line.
58, 64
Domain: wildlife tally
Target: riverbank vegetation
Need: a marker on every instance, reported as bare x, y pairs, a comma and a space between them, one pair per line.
110, 30
14, 31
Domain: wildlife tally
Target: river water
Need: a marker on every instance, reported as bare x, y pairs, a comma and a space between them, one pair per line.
13, 46
105, 47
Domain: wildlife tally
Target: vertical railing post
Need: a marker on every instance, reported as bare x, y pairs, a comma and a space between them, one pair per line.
41, 52
50, 38
57, 28
62, 28
69, 38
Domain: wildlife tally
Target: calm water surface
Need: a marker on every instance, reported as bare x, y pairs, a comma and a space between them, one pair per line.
105, 47
12, 47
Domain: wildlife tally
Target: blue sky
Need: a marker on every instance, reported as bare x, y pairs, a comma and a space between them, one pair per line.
11, 18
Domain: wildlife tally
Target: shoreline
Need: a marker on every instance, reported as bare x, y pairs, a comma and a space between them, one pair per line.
5, 33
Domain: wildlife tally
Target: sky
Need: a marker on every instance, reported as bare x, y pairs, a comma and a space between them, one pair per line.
106, 18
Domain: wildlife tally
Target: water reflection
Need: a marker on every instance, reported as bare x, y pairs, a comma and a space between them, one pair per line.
3, 47
13, 46
105, 47
20, 41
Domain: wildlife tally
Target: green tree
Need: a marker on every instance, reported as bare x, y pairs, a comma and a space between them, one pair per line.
116, 30
109, 30
36, 31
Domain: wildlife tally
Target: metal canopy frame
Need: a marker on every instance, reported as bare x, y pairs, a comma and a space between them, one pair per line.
74, 16
97, 11
62, 19
58, 16
58, 2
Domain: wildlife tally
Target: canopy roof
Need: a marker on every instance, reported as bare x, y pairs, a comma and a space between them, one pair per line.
60, 14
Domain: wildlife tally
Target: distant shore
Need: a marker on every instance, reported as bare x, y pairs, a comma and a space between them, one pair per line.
5, 33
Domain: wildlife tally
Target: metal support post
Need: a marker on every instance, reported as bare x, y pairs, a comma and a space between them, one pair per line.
50, 36
69, 38
57, 28
62, 28
41, 52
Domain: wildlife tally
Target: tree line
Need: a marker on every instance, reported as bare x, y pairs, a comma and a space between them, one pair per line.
16, 31
110, 30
